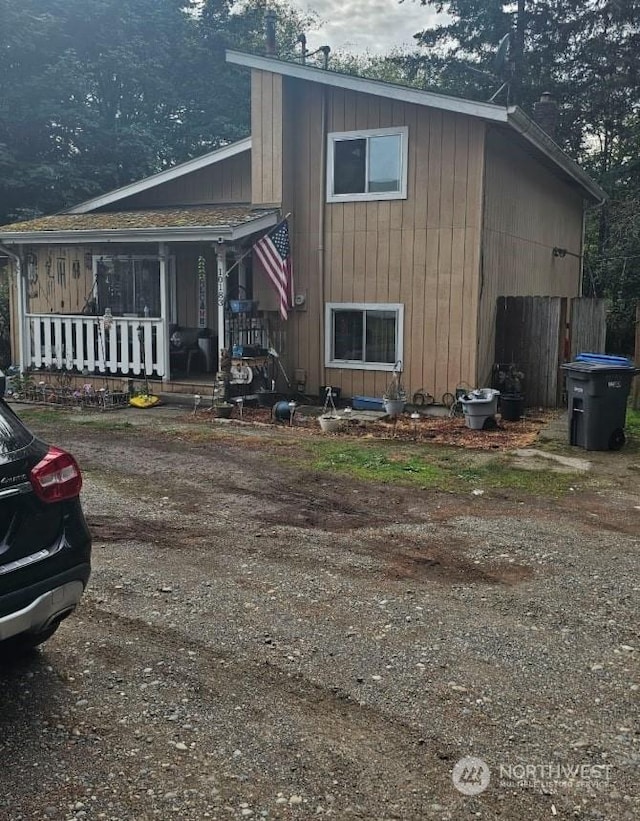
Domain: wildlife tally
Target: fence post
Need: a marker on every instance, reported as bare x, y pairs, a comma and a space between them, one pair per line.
635, 400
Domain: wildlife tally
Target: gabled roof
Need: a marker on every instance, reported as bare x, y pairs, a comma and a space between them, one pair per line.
512, 118
198, 223
145, 184
407, 94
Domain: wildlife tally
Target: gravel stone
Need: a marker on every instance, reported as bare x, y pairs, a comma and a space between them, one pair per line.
260, 639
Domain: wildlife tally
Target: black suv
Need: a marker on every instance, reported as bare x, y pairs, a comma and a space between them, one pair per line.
45, 545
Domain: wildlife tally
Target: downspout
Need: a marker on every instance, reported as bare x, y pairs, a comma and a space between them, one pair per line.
21, 302
584, 234
321, 272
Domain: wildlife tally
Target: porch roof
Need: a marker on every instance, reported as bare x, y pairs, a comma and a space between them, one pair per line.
213, 223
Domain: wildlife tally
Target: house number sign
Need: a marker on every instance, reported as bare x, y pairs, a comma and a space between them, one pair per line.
221, 285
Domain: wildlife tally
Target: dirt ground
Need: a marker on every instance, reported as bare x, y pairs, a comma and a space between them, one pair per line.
264, 640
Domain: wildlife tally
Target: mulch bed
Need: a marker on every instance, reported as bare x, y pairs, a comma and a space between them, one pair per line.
428, 429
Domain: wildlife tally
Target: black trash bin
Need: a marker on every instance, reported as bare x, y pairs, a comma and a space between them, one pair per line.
597, 392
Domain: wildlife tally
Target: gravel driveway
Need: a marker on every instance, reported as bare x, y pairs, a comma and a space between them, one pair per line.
260, 640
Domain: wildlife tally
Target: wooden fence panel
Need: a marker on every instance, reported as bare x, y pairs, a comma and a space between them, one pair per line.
529, 333
532, 332
588, 326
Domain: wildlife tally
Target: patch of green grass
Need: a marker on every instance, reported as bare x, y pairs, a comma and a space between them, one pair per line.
33, 415
377, 464
106, 422
633, 428
64, 418
436, 468
502, 475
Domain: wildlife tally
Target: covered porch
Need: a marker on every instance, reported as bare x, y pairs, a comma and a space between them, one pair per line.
135, 294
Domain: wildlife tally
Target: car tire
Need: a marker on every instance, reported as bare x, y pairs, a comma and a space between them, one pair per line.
24, 643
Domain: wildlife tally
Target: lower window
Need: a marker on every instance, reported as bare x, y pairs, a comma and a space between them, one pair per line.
363, 336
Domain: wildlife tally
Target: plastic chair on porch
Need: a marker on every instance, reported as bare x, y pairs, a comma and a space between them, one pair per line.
183, 348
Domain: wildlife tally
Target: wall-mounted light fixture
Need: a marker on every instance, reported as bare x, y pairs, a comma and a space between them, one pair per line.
562, 252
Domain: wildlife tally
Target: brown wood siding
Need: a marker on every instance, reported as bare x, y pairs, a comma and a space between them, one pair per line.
421, 252
228, 181
527, 212
266, 138
57, 290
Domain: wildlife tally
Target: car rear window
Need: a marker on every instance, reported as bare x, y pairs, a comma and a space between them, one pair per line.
13, 434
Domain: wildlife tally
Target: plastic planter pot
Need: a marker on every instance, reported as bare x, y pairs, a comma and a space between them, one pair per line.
511, 407
222, 411
478, 406
329, 423
393, 407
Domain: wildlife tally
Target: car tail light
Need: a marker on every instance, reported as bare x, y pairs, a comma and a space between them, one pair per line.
56, 477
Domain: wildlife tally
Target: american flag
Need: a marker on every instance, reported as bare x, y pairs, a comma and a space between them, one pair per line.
273, 251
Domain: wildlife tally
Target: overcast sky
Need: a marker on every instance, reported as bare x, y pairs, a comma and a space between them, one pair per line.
376, 26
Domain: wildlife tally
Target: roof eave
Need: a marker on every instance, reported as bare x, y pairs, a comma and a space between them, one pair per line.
486, 111
162, 177
531, 131
215, 233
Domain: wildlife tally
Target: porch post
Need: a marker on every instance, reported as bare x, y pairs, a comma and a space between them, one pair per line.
242, 278
164, 309
21, 306
221, 260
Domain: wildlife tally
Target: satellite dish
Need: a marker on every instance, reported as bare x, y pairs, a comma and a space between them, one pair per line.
500, 59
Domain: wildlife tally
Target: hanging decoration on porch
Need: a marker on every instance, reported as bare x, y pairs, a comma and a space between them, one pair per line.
202, 292
32, 275
50, 277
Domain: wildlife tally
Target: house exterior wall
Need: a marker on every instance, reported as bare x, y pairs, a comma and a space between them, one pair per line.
527, 212
64, 279
422, 251
266, 138
227, 181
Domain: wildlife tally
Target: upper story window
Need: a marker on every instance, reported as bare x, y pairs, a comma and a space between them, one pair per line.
367, 165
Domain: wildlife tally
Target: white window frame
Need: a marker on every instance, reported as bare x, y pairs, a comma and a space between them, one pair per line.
356, 364
401, 131
96, 258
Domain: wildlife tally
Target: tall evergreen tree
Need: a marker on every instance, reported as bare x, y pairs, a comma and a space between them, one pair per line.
584, 52
97, 93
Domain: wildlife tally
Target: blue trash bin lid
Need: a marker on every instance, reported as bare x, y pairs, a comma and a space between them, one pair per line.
605, 359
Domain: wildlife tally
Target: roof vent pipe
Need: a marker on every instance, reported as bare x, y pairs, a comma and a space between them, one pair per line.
303, 43
545, 113
326, 51
270, 31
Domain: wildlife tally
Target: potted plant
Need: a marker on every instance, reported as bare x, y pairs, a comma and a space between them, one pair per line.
509, 381
221, 409
329, 420
395, 396
220, 406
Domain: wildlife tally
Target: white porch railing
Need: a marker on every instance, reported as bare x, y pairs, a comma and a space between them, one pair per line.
86, 343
